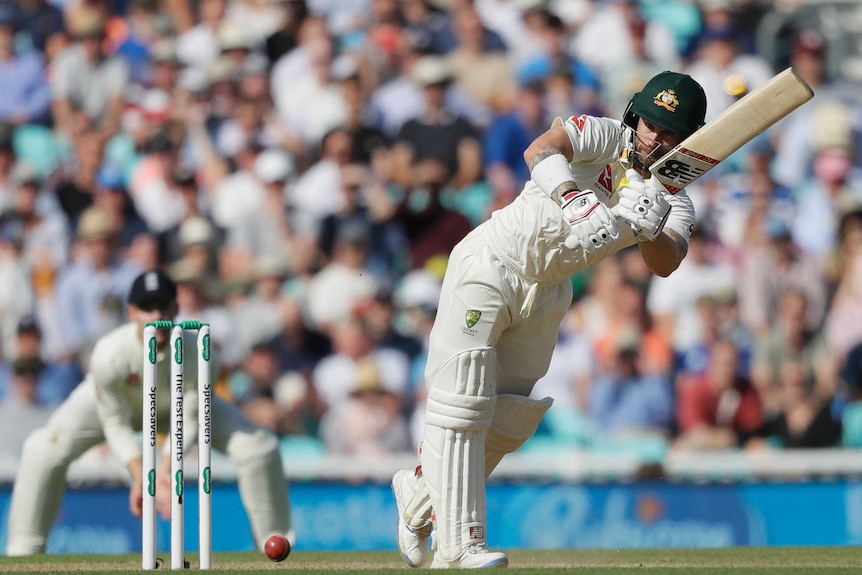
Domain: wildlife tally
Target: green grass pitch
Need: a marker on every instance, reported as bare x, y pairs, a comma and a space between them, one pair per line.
741, 560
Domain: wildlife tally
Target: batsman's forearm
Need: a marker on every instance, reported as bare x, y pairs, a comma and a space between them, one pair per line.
664, 254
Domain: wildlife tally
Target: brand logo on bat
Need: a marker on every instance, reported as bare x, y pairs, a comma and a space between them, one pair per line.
679, 171
178, 350
472, 317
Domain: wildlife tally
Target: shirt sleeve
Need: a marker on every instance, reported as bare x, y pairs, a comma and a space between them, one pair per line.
112, 404
594, 140
682, 216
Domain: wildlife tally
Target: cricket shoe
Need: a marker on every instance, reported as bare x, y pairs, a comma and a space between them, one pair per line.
412, 541
474, 557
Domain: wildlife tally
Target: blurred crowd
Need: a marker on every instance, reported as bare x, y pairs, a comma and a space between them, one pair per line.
302, 168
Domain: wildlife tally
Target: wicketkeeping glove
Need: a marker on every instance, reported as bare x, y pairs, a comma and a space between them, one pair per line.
593, 224
644, 208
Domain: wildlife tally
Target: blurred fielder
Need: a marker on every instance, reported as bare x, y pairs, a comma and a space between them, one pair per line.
107, 406
506, 290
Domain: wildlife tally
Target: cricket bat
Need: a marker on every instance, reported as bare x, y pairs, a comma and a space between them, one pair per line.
746, 118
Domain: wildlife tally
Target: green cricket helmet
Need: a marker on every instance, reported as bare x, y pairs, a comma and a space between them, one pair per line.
674, 101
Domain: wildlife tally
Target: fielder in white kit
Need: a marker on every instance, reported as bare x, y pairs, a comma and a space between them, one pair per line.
107, 405
506, 290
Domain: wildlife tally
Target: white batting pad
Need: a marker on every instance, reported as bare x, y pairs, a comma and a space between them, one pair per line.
515, 420
459, 411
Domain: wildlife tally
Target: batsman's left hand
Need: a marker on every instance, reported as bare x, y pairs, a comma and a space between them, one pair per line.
643, 208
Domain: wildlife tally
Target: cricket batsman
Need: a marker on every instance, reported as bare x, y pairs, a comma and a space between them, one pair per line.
107, 405
507, 288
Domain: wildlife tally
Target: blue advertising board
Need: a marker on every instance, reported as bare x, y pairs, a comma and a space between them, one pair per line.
344, 516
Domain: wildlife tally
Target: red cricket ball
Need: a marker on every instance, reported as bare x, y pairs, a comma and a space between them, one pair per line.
277, 548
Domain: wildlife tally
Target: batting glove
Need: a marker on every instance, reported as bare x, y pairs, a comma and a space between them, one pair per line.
593, 224
642, 207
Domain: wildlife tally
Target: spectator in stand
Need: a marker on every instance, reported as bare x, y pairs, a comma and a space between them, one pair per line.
436, 27
182, 183
508, 135
835, 187
345, 281
791, 340
767, 273
370, 144
629, 316
252, 386
54, 380
46, 229
26, 97
260, 316
719, 409
745, 203
380, 316
84, 78
21, 411
613, 20
399, 97
268, 232
317, 193
353, 350
484, 76
673, 302
150, 185
111, 195
369, 422
365, 203
629, 399
199, 242
74, 176
431, 229
438, 145
805, 419
555, 59
43, 25
91, 291
809, 54
314, 105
